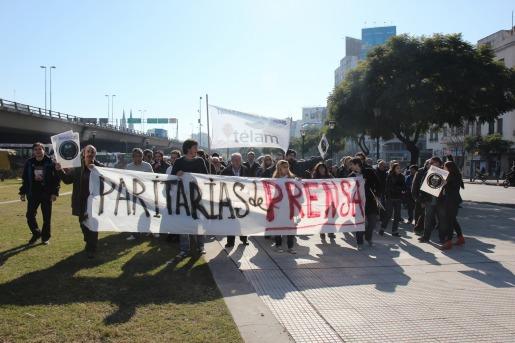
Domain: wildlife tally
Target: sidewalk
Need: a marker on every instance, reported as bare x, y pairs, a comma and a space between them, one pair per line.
400, 290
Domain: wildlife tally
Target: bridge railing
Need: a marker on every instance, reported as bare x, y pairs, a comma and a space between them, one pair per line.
38, 111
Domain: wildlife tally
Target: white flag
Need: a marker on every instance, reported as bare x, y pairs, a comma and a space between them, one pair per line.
233, 129
66, 147
323, 146
433, 181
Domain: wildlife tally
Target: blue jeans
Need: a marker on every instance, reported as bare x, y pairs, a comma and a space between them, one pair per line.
184, 242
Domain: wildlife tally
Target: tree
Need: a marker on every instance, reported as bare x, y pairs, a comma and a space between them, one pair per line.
487, 146
410, 84
311, 141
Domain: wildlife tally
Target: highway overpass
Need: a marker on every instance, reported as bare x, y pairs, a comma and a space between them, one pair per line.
20, 123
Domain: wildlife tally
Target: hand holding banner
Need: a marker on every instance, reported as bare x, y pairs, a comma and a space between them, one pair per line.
66, 147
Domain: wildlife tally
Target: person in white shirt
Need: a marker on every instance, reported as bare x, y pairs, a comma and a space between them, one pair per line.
138, 164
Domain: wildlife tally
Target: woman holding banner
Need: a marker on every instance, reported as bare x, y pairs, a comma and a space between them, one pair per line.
80, 178
282, 170
321, 172
451, 200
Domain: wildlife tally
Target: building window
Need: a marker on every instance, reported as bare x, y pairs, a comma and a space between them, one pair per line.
499, 125
478, 129
491, 128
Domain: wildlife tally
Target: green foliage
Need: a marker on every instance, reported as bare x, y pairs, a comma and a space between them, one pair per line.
487, 145
311, 141
410, 84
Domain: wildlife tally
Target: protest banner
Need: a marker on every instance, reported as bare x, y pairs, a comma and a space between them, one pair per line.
66, 147
131, 201
434, 181
233, 129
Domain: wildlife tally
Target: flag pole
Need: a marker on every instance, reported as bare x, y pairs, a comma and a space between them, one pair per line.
208, 131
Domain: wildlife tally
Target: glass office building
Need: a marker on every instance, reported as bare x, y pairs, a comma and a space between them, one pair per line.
373, 36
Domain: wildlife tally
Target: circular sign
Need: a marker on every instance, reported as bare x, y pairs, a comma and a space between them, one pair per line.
435, 180
68, 150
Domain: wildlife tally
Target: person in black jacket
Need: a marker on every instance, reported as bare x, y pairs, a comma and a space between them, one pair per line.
394, 192
251, 164
235, 168
371, 187
265, 164
40, 186
381, 172
159, 166
415, 194
80, 178
299, 167
190, 162
428, 202
321, 172
451, 200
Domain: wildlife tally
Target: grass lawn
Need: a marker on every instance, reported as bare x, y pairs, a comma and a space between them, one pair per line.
127, 294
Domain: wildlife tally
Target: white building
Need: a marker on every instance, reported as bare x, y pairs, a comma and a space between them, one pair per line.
451, 140
347, 63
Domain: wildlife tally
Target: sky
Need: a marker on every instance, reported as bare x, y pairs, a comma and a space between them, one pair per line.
268, 57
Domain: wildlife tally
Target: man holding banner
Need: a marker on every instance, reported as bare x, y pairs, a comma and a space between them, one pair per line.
236, 169
79, 176
189, 163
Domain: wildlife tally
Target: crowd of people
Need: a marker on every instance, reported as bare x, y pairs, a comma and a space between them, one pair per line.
388, 188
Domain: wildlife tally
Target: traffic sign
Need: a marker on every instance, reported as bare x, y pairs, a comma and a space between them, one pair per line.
134, 121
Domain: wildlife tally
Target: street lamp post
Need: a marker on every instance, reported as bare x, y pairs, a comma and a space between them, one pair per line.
377, 114
200, 122
107, 96
332, 125
112, 108
303, 135
50, 71
43, 67
93, 135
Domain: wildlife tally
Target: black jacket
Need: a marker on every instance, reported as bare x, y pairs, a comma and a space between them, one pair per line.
417, 194
51, 178
451, 191
371, 185
395, 186
251, 170
161, 169
228, 171
298, 167
381, 178
79, 195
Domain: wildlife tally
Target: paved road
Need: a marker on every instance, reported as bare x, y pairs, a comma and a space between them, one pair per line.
400, 290
489, 193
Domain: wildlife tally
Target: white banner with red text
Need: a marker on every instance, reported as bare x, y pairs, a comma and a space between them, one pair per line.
132, 201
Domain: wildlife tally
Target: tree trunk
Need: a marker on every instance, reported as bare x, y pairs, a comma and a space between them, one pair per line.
411, 146
414, 152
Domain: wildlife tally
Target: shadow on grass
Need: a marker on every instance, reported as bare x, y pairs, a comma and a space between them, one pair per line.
5, 255
145, 279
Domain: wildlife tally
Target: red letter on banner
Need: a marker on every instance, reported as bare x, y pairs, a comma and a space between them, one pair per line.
345, 186
356, 199
272, 198
292, 198
308, 186
330, 203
